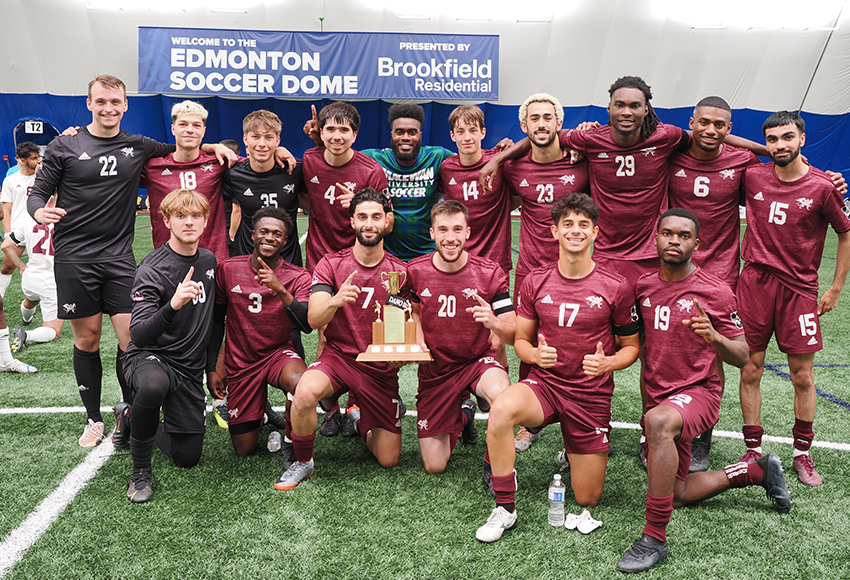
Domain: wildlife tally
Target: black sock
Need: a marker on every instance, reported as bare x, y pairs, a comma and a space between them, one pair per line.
469, 414
122, 381
88, 371
511, 507
142, 450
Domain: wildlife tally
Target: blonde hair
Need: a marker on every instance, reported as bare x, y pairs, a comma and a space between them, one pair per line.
541, 98
261, 118
188, 108
185, 201
469, 114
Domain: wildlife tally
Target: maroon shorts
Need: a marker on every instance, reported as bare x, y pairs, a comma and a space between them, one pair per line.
439, 398
700, 409
247, 395
768, 307
585, 425
631, 270
376, 391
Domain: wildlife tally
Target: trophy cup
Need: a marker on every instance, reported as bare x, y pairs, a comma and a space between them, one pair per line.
394, 337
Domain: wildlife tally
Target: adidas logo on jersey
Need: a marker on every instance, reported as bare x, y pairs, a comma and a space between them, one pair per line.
547, 300
812, 341
248, 192
758, 196
84, 156
166, 171
426, 293
523, 183
681, 173
602, 155
646, 303
452, 181
236, 289
314, 180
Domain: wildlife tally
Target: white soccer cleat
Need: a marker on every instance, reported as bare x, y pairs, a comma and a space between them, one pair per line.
16, 366
499, 521
92, 434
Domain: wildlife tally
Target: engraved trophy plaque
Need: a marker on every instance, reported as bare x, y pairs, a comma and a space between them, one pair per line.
394, 337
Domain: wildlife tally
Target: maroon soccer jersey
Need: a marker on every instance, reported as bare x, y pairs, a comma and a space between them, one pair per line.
787, 222
540, 185
329, 229
350, 330
713, 191
676, 358
489, 211
257, 323
450, 331
162, 175
574, 315
630, 186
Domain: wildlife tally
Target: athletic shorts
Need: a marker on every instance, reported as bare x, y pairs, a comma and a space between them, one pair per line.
18, 238
247, 395
87, 289
767, 306
440, 396
631, 270
585, 425
40, 288
184, 407
700, 409
376, 391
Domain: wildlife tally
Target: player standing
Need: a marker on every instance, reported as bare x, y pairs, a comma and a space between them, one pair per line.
16, 188
568, 315
346, 286
459, 299
789, 207
173, 297
692, 326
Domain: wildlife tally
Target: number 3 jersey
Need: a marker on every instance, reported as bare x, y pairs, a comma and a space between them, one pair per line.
451, 333
574, 315
676, 357
257, 323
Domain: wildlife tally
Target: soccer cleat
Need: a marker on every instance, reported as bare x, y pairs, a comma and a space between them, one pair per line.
487, 478
699, 455
295, 474
562, 460
469, 433
121, 435
774, 483
18, 339
220, 414
288, 454
278, 420
751, 456
645, 553
16, 366
141, 486
642, 453
524, 438
332, 424
349, 424
92, 434
500, 520
805, 468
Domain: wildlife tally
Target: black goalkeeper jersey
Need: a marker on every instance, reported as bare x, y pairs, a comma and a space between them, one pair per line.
96, 180
179, 337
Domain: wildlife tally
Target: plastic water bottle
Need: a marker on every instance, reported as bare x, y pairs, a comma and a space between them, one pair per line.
275, 441
556, 501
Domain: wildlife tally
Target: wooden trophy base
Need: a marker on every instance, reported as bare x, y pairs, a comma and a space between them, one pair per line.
407, 351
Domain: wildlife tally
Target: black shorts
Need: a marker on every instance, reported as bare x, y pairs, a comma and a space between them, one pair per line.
185, 405
84, 290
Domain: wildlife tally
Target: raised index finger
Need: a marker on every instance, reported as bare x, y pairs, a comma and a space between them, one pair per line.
699, 308
263, 264
315, 116
188, 277
350, 278
481, 301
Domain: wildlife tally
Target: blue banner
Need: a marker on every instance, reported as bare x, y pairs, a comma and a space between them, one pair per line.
336, 65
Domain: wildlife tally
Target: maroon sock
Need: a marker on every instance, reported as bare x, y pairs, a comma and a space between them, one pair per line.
753, 435
487, 456
744, 474
658, 510
504, 486
303, 447
803, 434
287, 432
452, 440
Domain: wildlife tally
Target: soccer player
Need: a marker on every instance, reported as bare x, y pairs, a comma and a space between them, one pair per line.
459, 299
263, 297
8, 364
345, 287
568, 315
14, 194
789, 207
87, 185
173, 297
692, 326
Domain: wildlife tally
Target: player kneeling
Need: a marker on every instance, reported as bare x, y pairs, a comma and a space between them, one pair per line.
170, 327
459, 299
568, 314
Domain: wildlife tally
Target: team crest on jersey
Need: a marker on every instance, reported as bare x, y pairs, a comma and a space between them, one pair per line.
128, 152
736, 320
351, 185
685, 305
594, 301
248, 192
681, 173
602, 155
727, 173
314, 180
425, 293
84, 156
647, 151
166, 171
207, 167
804, 203
646, 303
422, 424
137, 297
153, 357
233, 413
236, 289
547, 300
289, 188
523, 183
568, 179
758, 197
452, 181
469, 292
72, 307
211, 273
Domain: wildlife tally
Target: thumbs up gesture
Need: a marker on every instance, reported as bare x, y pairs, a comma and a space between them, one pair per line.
547, 356
597, 363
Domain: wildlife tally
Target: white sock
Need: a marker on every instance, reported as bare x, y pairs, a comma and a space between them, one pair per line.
27, 314
756, 449
798, 452
41, 334
5, 350
5, 280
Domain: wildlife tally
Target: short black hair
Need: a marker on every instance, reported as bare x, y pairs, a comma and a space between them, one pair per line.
277, 213
716, 102
369, 194
409, 111
580, 203
25, 149
679, 212
780, 118
337, 112
650, 121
